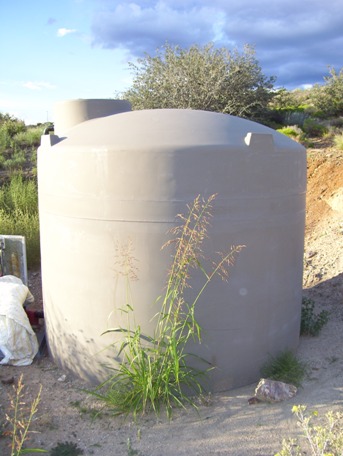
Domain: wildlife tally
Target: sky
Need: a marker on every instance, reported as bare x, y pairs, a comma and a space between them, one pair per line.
52, 51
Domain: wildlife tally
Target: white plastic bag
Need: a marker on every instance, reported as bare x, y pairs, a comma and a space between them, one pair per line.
18, 341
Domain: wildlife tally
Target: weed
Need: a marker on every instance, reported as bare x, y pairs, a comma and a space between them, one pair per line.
314, 129
338, 141
92, 413
154, 370
337, 122
15, 162
311, 324
285, 368
66, 449
29, 137
130, 450
321, 440
20, 420
293, 132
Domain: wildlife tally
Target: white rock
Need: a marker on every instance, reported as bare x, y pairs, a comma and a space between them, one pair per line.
274, 391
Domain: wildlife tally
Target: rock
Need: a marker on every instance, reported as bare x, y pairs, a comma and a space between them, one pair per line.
62, 378
274, 391
7, 381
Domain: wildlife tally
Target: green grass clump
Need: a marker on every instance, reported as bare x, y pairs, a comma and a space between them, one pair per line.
154, 371
66, 449
292, 132
285, 368
312, 324
19, 214
29, 137
338, 141
16, 161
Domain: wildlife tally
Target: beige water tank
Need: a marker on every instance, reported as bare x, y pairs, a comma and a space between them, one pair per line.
124, 178
73, 112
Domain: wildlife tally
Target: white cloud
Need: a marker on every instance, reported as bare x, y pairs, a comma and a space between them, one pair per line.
65, 31
38, 85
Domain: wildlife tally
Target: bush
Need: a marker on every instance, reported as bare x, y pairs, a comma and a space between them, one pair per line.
314, 129
284, 368
321, 440
66, 449
29, 137
328, 99
15, 162
203, 78
311, 324
292, 132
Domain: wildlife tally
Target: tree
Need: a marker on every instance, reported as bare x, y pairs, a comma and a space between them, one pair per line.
328, 98
203, 78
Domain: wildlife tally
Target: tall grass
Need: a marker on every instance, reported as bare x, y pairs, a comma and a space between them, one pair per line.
155, 371
338, 141
19, 214
285, 367
29, 137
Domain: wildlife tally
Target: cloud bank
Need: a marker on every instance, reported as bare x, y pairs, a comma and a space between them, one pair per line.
295, 41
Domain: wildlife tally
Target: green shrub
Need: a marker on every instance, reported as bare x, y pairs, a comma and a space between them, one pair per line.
66, 449
284, 368
29, 137
16, 161
338, 141
314, 129
320, 440
311, 324
293, 132
154, 370
12, 126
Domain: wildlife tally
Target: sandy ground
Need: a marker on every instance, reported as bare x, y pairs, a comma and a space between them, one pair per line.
227, 424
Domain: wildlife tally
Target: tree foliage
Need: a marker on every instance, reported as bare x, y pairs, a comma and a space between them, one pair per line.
321, 100
203, 78
10, 126
328, 98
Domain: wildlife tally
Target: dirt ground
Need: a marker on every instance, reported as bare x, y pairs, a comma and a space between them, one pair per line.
227, 425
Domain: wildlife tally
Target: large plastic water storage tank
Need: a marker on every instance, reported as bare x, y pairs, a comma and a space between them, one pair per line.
125, 177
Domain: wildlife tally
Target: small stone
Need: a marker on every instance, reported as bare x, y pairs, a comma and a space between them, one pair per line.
311, 254
62, 378
253, 400
274, 391
7, 381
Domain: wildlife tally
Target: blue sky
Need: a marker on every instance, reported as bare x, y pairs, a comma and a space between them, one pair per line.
52, 51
